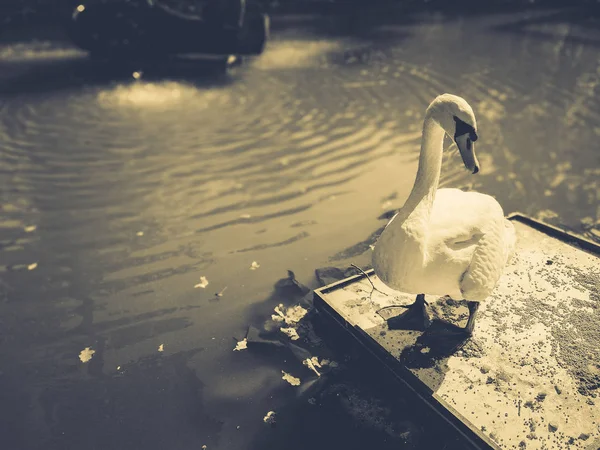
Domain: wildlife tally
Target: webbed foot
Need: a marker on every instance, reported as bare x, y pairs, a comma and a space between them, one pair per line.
443, 330
414, 318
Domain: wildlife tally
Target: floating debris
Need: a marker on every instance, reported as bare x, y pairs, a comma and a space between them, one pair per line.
291, 333
241, 345
161, 348
254, 265
32, 266
245, 216
313, 363
291, 315
86, 354
203, 283
118, 367
220, 293
30, 228
290, 379
277, 318
140, 233
270, 418
137, 75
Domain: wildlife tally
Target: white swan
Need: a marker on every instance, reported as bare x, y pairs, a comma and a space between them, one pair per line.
444, 241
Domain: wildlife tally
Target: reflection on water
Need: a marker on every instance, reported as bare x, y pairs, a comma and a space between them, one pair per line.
119, 194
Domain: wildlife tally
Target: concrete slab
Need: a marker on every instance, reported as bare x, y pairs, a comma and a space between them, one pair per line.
530, 375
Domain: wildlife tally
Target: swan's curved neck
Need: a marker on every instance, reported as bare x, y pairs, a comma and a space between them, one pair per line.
430, 164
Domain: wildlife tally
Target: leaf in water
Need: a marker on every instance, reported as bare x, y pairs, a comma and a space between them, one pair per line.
277, 318
245, 216
292, 315
161, 348
270, 418
279, 311
30, 228
291, 333
313, 363
86, 354
118, 367
290, 379
203, 283
32, 266
241, 345
254, 265
140, 233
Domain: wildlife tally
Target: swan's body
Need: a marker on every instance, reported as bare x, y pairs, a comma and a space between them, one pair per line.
459, 249
445, 241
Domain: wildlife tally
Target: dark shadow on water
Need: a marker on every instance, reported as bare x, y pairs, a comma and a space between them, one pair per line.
154, 403
585, 17
52, 75
358, 24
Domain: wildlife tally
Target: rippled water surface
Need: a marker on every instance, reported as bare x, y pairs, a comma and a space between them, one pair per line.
118, 194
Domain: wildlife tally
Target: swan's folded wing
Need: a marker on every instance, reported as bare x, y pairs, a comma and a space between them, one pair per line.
487, 263
459, 218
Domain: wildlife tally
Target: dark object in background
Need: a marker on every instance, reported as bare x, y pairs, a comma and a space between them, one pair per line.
150, 29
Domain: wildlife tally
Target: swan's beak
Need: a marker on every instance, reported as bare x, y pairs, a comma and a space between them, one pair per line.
466, 147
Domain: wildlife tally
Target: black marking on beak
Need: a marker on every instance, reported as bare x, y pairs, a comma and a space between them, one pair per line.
464, 128
464, 137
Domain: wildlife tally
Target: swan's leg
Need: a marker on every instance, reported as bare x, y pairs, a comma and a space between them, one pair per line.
442, 328
414, 318
473, 308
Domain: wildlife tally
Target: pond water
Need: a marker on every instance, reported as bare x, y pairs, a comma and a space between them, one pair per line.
118, 194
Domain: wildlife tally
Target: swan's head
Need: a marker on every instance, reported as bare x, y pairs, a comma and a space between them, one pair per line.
457, 119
